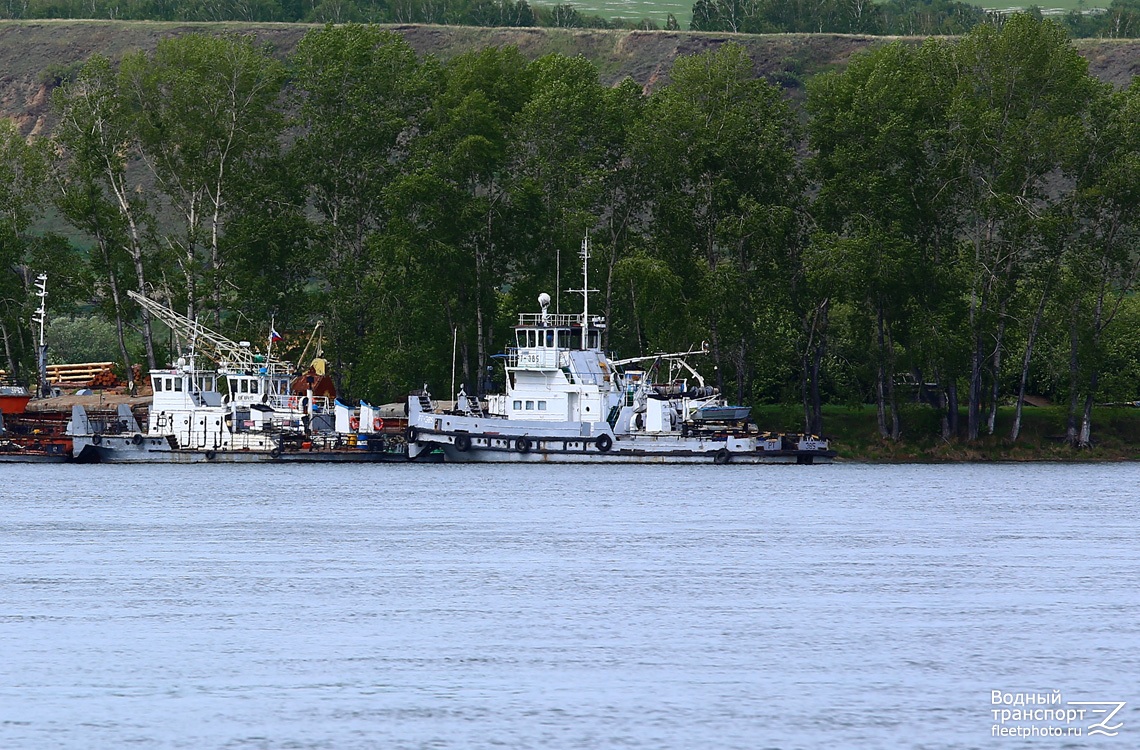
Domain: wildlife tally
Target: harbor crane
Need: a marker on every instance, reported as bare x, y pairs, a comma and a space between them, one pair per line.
232, 356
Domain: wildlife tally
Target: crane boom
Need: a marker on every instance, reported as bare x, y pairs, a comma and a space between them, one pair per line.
228, 354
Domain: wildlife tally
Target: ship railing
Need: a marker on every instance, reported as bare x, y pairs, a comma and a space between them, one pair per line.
558, 320
294, 403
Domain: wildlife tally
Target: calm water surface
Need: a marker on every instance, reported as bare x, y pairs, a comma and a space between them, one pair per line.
843, 606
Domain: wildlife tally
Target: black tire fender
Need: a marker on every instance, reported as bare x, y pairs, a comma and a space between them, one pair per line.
210, 455
412, 434
96, 439
462, 443
275, 452
136, 439
604, 442
522, 445
721, 457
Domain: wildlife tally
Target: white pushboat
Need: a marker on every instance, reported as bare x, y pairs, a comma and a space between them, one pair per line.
245, 411
565, 401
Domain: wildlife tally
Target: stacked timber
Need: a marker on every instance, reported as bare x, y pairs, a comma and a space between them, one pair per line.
84, 375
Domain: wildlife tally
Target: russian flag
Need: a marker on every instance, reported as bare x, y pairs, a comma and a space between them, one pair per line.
274, 336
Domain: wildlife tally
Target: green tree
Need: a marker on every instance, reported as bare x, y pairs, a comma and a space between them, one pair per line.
1102, 260
361, 97
23, 175
1016, 114
563, 146
453, 228
880, 153
725, 189
93, 193
204, 108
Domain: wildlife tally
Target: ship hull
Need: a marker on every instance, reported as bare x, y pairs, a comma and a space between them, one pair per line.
34, 458
570, 447
679, 456
132, 449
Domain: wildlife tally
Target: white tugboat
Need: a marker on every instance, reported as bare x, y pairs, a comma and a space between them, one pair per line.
566, 402
257, 418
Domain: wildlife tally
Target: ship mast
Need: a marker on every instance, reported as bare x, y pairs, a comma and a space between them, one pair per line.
585, 290
41, 351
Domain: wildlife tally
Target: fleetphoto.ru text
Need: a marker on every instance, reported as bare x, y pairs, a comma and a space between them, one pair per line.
1046, 714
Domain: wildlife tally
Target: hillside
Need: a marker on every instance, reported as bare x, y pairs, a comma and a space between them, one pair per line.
35, 55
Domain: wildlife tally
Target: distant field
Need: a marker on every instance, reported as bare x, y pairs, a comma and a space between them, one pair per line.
659, 10
656, 10
1050, 7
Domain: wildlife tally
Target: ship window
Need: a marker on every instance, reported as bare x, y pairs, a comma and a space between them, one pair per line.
178, 384
542, 406
158, 385
253, 386
530, 405
518, 405
550, 338
243, 386
564, 338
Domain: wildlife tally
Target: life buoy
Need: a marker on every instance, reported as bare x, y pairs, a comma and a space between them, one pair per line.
604, 442
96, 439
292, 402
462, 442
377, 424
721, 456
353, 423
522, 445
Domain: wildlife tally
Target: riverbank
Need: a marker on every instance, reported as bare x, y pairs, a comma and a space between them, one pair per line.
854, 433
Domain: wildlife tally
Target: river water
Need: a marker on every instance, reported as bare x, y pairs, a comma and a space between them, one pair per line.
842, 606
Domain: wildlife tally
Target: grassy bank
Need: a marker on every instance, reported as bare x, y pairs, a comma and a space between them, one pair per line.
854, 432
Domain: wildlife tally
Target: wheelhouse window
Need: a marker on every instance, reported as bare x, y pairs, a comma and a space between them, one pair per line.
178, 384
530, 406
158, 385
518, 405
542, 406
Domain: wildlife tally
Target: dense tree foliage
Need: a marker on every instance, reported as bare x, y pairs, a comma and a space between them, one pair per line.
1120, 20
894, 17
951, 222
454, 12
